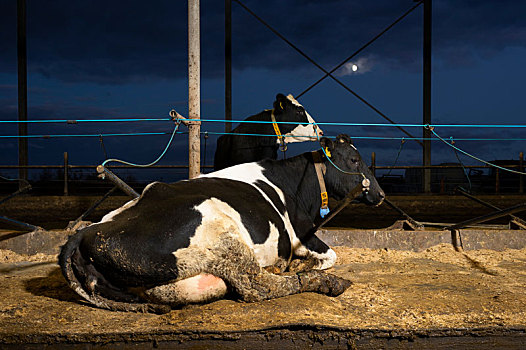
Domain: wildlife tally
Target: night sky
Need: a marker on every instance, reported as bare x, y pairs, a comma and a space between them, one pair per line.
115, 59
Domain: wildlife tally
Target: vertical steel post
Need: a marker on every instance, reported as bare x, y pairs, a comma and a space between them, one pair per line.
521, 169
194, 89
427, 96
373, 163
497, 181
228, 65
22, 91
66, 166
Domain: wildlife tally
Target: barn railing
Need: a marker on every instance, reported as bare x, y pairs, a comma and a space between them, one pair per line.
495, 182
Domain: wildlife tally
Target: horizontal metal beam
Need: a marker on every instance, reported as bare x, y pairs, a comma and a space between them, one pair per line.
495, 215
463, 192
21, 225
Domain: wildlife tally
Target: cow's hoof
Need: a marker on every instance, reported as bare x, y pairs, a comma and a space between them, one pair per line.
324, 283
337, 285
272, 269
299, 265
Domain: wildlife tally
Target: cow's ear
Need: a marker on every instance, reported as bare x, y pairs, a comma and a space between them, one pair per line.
327, 143
280, 103
343, 138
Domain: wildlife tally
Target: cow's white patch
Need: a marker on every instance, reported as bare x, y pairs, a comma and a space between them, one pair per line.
293, 100
267, 253
302, 133
219, 218
325, 260
112, 214
250, 173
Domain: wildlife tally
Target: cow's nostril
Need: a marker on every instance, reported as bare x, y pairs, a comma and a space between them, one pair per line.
320, 133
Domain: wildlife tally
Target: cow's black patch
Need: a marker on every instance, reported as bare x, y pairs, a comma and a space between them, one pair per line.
272, 194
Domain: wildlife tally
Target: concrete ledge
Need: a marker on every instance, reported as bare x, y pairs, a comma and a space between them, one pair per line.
471, 239
31, 243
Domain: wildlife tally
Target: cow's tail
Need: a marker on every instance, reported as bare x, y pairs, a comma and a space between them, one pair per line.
72, 265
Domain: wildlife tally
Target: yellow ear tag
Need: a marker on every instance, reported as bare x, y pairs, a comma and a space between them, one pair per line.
281, 105
327, 152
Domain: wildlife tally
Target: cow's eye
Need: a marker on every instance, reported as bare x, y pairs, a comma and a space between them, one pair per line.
354, 160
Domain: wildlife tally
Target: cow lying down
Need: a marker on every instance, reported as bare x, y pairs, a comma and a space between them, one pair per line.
197, 240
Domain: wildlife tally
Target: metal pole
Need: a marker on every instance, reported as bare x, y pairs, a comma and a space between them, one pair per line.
463, 192
104, 173
72, 224
521, 169
66, 192
22, 90
228, 64
495, 215
427, 96
194, 89
497, 181
373, 163
21, 226
412, 221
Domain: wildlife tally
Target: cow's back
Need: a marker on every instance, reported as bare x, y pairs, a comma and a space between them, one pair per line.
245, 143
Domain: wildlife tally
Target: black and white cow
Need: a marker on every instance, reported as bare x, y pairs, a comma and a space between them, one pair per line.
194, 240
238, 149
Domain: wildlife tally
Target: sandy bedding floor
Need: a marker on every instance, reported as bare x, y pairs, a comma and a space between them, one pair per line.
433, 289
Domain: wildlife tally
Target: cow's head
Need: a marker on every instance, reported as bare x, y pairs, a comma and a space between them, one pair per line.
346, 157
287, 109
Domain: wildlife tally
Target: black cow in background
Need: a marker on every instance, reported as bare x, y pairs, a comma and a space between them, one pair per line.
238, 149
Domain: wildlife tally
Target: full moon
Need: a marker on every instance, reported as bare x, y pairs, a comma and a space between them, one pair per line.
354, 68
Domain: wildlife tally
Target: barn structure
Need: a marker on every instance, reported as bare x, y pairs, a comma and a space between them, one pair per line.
437, 271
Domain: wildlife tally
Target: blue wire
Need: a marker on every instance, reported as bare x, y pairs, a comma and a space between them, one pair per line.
149, 164
73, 121
87, 135
273, 135
472, 156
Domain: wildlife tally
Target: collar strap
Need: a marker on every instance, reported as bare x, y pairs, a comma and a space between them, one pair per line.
281, 139
320, 171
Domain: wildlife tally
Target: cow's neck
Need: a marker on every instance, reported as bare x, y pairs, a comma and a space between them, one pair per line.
296, 177
283, 128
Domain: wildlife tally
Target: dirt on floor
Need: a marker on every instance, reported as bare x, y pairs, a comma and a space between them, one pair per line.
438, 288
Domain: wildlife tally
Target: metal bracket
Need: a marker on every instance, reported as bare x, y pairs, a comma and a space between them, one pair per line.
178, 118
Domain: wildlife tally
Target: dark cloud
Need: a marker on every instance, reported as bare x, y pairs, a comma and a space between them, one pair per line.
117, 42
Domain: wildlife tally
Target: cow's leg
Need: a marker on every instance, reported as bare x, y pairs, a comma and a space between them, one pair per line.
194, 285
206, 272
237, 265
201, 288
314, 254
